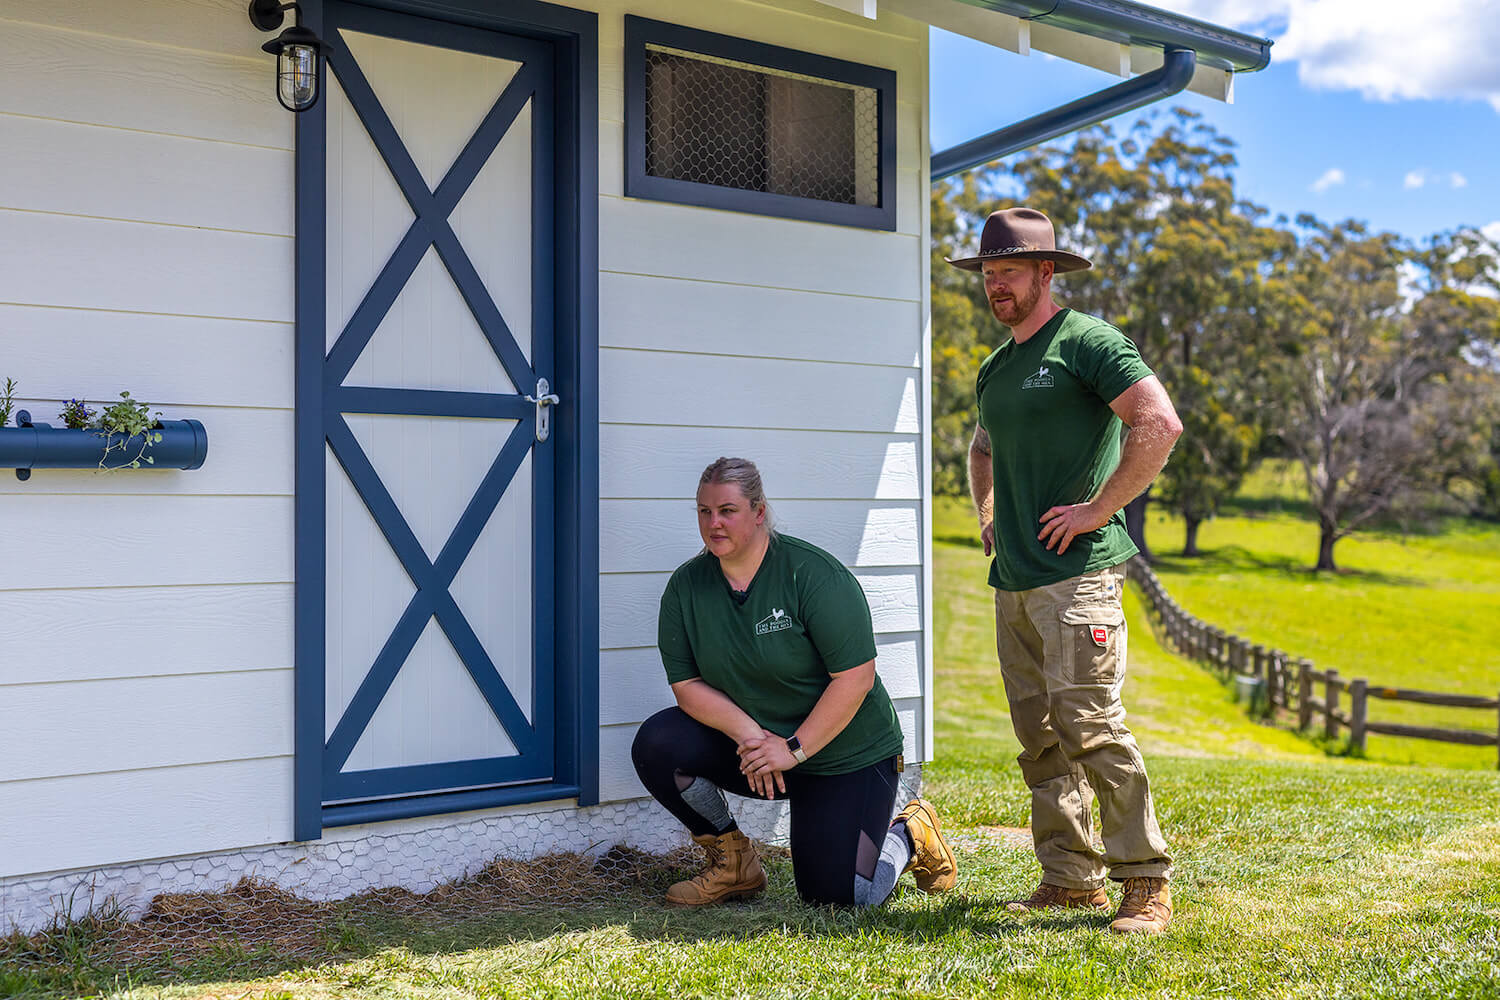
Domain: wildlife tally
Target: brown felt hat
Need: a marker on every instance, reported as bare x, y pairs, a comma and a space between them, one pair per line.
1022, 233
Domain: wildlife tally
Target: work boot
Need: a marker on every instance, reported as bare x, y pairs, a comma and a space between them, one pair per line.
733, 872
1146, 908
932, 862
1056, 897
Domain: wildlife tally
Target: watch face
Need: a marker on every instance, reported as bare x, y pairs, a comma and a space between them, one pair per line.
794, 745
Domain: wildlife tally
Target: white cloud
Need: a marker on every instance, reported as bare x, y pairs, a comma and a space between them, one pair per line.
1421, 177
1385, 49
1332, 177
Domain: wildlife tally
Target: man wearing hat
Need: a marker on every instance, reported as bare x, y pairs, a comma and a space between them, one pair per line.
1050, 477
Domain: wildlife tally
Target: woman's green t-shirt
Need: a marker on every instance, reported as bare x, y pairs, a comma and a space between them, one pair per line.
805, 617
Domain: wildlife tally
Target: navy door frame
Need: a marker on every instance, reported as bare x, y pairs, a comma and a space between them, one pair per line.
573, 37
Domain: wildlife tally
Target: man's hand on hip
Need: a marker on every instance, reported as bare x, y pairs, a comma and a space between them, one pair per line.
1061, 525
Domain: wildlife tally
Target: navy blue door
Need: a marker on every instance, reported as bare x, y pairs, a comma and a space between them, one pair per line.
438, 523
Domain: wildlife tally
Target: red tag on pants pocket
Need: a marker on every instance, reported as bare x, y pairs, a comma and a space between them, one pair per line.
1101, 635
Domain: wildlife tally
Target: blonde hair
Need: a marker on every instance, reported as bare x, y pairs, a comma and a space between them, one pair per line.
740, 472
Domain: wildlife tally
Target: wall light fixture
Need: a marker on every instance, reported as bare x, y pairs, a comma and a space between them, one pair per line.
296, 50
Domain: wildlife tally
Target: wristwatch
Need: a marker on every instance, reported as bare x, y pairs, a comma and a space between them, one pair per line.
795, 746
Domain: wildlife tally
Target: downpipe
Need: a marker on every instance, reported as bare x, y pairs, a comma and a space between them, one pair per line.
1174, 74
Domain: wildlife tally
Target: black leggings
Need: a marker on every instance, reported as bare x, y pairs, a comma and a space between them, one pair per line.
839, 821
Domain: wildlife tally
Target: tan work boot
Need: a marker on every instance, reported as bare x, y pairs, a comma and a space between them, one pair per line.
1146, 908
733, 872
1056, 897
932, 863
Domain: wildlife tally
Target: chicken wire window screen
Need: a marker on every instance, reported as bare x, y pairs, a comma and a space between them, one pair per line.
727, 123
714, 121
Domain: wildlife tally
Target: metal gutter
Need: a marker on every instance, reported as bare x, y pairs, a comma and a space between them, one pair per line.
1186, 43
1136, 24
1173, 76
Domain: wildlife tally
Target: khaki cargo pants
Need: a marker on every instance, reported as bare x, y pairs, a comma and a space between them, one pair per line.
1062, 655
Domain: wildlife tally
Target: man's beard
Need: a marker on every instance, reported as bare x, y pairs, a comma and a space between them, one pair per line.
1013, 312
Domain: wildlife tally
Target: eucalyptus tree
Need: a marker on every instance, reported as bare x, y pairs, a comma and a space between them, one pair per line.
1389, 388
1456, 281
1207, 310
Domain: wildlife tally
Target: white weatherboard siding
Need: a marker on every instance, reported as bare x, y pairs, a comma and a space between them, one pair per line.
796, 344
145, 244
145, 617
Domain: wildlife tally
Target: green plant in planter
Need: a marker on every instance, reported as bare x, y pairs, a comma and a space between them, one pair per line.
7, 401
76, 414
126, 419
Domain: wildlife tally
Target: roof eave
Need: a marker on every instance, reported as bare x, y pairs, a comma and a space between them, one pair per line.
1136, 24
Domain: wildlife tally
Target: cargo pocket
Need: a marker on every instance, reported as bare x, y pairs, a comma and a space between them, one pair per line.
1091, 644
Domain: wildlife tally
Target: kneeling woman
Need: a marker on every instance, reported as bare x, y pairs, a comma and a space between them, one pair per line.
770, 652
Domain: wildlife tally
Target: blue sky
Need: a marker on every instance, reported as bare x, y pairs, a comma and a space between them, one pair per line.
1398, 126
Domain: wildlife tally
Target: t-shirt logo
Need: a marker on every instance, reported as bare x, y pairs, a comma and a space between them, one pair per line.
1041, 380
773, 622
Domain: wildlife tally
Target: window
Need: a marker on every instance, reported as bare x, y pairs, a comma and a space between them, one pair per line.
726, 123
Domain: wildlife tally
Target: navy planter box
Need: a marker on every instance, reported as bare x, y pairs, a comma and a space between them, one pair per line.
183, 445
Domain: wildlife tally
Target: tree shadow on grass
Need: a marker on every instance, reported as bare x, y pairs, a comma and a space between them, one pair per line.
1238, 559
956, 538
1429, 521
255, 930
1268, 506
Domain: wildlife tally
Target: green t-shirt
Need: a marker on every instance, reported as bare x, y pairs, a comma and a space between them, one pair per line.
1054, 440
805, 618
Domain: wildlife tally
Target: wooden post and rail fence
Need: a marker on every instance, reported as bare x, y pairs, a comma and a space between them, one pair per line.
1272, 679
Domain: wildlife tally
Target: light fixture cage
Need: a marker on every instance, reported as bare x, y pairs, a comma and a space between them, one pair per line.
297, 51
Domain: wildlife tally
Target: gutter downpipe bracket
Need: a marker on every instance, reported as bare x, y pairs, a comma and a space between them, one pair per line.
1175, 73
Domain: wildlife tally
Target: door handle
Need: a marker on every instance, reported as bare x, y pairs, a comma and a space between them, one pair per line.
543, 398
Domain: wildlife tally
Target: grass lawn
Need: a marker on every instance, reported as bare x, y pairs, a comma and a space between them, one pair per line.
1294, 879
1297, 876
1418, 610
1405, 611
1174, 706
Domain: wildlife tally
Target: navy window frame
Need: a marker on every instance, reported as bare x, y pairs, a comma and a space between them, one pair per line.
575, 38
641, 31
